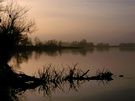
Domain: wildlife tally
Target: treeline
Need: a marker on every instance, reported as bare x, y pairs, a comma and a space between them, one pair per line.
81, 43
55, 43
127, 44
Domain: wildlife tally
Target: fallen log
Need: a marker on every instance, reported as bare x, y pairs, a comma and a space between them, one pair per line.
48, 76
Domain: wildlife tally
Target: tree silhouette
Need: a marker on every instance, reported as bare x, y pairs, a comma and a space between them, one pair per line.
14, 26
14, 30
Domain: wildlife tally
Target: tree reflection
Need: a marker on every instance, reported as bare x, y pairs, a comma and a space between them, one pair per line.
13, 85
18, 57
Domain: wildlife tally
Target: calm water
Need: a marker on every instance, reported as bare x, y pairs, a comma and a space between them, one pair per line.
119, 62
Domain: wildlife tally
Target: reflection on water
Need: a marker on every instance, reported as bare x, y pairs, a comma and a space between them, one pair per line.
49, 80
23, 56
120, 61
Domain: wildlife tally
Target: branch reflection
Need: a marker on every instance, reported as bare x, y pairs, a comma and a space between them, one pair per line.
48, 80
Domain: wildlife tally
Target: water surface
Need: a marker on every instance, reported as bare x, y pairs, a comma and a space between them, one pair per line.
119, 62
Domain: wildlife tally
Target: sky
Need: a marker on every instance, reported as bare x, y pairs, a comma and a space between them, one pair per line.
108, 21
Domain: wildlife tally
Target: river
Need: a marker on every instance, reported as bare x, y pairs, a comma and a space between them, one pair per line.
118, 61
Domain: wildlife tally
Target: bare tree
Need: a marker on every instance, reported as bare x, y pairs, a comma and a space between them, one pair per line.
14, 26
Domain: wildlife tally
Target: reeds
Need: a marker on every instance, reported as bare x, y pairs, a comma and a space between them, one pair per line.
50, 78
56, 79
50, 74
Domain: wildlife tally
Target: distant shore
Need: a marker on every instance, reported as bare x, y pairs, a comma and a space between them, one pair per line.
53, 48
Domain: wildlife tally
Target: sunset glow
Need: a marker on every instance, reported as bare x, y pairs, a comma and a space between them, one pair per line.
109, 21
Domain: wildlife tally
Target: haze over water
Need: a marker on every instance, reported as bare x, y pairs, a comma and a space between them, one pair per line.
109, 21
118, 61
26, 73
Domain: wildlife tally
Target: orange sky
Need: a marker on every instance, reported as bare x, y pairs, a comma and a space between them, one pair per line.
110, 21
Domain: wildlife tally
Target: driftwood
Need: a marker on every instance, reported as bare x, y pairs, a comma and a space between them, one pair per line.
32, 81
101, 76
47, 77
23, 78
